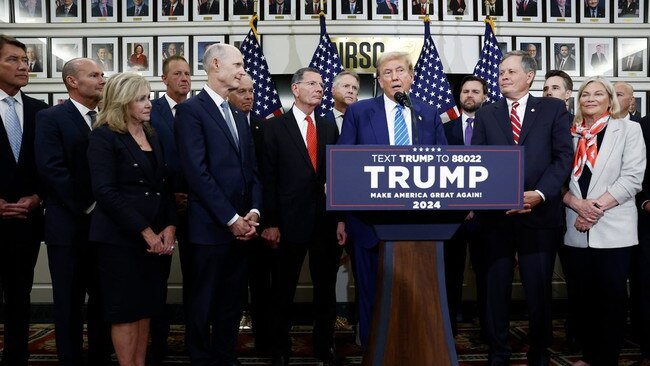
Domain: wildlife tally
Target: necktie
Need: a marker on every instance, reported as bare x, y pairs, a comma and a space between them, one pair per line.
629, 61
468, 131
562, 64
67, 11
31, 66
12, 125
229, 122
174, 110
390, 7
312, 142
93, 117
422, 9
171, 9
351, 8
279, 9
104, 13
593, 13
401, 132
515, 122
315, 9
492, 10
562, 12
137, 12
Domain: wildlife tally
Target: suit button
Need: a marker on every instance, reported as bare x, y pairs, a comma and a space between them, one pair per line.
163, 180
141, 181
146, 193
135, 165
157, 193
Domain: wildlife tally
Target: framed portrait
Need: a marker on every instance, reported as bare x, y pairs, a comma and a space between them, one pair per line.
137, 55
526, 11
64, 50
310, 9
565, 55
638, 108
418, 9
200, 43
59, 98
208, 10
632, 54
105, 52
4, 11
352, 9
172, 10
536, 48
27, 11
387, 9
595, 11
629, 11
497, 9
505, 44
45, 97
36, 50
457, 10
598, 58
172, 46
279, 10
99, 11
561, 11
243, 9
65, 11
136, 11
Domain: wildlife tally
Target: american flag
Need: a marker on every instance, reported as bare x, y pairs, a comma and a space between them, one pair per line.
267, 99
327, 61
487, 67
430, 82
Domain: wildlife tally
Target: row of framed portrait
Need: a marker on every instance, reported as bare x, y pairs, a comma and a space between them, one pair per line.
568, 11
639, 108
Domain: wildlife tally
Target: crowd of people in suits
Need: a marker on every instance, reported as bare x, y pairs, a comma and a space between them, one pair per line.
125, 184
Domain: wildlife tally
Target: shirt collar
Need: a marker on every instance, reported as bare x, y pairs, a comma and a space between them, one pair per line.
215, 97
82, 108
172, 103
18, 97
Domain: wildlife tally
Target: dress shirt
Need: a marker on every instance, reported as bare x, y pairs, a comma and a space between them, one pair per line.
338, 118
302, 123
389, 106
84, 112
172, 104
18, 106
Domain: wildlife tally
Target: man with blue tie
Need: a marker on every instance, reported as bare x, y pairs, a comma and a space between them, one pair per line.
217, 157
382, 121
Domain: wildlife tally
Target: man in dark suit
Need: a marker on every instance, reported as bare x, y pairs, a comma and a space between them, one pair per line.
313, 7
102, 9
457, 7
60, 145
629, 8
594, 10
598, 58
33, 63
295, 218
243, 7
177, 78
633, 62
31, 9
209, 7
625, 96
139, 9
351, 7
102, 59
495, 7
422, 7
217, 156
564, 60
280, 7
372, 122
526, 8
20, 199
387, 7
345, 91
173, 8
473, 93
259, 253
541, 126
67, 9
560, 8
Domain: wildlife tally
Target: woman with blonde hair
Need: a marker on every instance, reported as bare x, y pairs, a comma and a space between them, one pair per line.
133, 222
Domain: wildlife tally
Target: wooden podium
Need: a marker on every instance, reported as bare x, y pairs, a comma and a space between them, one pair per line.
410, 324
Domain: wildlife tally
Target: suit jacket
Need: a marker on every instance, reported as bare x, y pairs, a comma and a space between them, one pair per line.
309, 8
498, 8
345, 7
214, 8
38, 66
257, 130
222, 177
629, 9
241, 9
20, 179
456, 8
60, 11
637, 62
131, 193
143, 12
619, 170
61, 145
417, 8
382, 8
97, 11
555, 9
162, 120
600, 12
595, 62
365, 123
454, 132
286, 8
294, 195
569, 64
644, 195
528, 11
548, 154
178, 10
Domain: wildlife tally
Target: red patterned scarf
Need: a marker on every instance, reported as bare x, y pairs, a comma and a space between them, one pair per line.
586, 150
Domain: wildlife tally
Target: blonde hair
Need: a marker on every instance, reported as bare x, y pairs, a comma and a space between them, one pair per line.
390, 56
120, 90
614, 107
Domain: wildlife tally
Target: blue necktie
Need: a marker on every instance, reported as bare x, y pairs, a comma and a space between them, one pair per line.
401, 132
468, 131
12, 125
229, 122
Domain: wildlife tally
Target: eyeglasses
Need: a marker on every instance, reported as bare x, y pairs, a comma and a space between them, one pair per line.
312, 84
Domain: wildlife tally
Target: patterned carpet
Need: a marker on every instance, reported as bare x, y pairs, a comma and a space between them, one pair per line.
471, 351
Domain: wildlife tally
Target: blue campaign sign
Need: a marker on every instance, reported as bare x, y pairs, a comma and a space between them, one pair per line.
372, 177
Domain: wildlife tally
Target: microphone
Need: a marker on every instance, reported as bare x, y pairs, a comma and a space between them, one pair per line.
403, 99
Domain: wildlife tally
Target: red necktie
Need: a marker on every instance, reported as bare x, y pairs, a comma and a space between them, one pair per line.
390, 7
315, 9
312, 142
280, 9
104, 11
171, 10
515, 122
423, 9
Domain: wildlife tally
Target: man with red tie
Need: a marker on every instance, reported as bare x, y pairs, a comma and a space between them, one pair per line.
279, 7
387, 7
457, 7
313, 7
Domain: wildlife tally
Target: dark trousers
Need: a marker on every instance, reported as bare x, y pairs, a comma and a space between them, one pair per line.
75, 272
367, 268
324, 259
640, 286
600, 277
535, 250
17, 261
260, 264
217, 279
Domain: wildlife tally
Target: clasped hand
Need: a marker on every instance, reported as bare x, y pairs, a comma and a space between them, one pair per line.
163, 243
244, 227
20, 209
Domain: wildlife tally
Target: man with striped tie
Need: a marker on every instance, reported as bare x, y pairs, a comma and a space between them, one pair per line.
541, 126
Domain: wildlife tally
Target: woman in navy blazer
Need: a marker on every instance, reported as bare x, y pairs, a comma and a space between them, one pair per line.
134, 220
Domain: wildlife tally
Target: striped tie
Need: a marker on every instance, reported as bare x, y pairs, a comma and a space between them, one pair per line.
515, 122
12, 125
401, 133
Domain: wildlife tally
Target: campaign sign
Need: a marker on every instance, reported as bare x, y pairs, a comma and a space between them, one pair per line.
374, 177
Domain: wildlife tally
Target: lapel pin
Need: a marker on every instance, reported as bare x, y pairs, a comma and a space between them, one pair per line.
532, 110
420, 118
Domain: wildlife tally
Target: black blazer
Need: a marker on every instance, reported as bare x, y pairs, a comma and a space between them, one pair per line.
294, 194
241, 9
60, 11
345, 7
20, 179
61, 146
131, 193
97, 12
454, 132
143, 12
162, 120
214, 9
286, 7
178, 10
